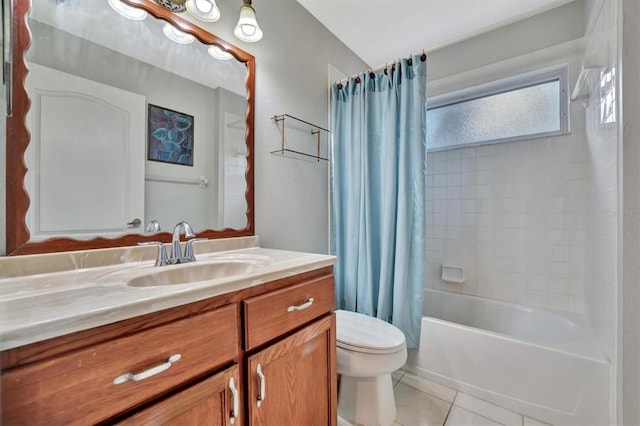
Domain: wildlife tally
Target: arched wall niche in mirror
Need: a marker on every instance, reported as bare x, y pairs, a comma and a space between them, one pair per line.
70, 71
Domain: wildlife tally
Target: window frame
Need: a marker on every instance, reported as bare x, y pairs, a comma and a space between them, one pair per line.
558, 73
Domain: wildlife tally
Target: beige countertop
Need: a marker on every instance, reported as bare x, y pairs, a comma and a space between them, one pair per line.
45, 296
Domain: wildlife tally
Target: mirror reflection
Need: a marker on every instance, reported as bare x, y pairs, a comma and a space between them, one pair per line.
128, 125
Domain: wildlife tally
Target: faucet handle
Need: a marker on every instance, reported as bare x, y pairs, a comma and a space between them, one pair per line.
162, 258
188, 250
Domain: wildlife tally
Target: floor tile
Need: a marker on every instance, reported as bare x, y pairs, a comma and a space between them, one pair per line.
528, 421
396, 376
488, 410
461, 417
428, 386
416, 408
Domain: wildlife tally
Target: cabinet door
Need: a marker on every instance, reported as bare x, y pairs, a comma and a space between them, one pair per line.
293, 382
212, 402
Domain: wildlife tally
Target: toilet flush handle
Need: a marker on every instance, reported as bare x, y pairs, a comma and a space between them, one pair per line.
305, 305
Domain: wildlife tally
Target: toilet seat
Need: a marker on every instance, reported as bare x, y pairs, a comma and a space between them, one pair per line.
362, 333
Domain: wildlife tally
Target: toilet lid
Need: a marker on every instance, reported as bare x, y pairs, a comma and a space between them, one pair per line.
362, 333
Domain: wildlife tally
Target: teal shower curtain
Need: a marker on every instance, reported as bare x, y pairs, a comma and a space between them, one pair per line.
378, 167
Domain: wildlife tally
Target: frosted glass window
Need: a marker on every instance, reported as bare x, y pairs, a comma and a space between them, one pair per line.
525, 112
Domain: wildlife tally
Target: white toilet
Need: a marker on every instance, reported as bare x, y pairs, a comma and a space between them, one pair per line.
369, 350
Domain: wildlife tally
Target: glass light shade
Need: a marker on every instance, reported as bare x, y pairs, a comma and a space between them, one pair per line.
176, 35
247, 28
205, 10
127, 11
218, 53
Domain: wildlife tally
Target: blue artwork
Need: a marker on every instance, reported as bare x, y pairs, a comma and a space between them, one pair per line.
170, 136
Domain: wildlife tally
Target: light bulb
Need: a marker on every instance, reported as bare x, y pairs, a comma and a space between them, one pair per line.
127, 11
247, 28
205, 10
218, 53
177, 35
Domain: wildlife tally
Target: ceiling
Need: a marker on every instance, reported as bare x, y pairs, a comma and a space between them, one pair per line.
380, 31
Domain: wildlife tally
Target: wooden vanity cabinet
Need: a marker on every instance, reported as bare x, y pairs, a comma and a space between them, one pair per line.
221, 341
292, 381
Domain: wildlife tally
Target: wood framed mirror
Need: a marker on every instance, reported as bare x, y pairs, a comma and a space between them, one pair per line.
33, 192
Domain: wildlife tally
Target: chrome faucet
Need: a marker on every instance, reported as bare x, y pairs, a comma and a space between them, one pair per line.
176, 250
152, 227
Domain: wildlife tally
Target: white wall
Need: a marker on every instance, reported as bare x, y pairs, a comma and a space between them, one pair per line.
538, 32
291, 77
3, 161
628, 18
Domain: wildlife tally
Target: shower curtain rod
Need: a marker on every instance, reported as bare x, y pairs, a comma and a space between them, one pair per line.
423, 58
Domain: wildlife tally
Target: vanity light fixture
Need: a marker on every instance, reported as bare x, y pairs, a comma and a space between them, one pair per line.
176, 35
218, 53
247, 28
127, 11
205, 10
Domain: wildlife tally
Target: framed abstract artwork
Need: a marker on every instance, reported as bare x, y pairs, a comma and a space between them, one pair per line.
170, 135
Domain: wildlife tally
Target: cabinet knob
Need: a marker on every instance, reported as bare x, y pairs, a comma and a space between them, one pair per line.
261, 395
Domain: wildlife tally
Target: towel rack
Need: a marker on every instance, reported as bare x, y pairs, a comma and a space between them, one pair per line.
202, 181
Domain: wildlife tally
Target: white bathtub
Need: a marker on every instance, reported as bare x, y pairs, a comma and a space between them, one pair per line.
528, 360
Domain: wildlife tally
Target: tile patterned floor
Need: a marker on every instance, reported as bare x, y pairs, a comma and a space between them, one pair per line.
421, 402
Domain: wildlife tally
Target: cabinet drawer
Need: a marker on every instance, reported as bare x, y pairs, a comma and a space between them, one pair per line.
79, 387
273, 314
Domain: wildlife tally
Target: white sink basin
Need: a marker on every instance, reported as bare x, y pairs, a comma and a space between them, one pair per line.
201, 270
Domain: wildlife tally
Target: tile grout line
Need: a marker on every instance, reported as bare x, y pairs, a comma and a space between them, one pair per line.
450, 408
400, 378
427, 393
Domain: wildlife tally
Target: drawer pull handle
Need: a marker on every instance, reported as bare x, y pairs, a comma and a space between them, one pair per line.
261, 395
305, 305
147, 373
236, 401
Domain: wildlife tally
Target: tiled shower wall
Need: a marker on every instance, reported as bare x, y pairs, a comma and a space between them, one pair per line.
514, 215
